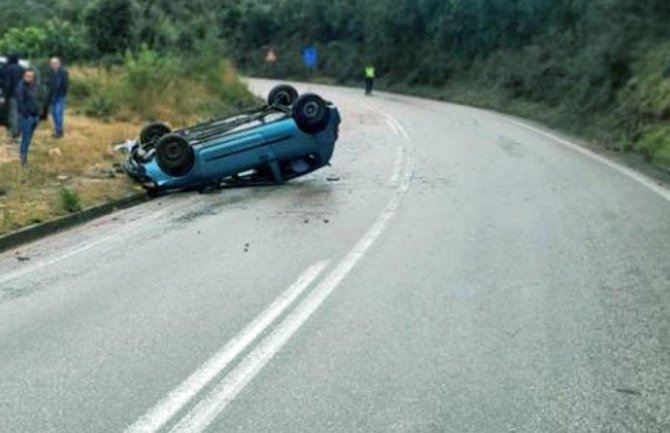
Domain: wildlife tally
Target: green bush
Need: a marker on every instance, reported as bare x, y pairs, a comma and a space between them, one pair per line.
654, 140
150, 86
53, 38
29, 41
100, 106
69, 200
109, 26
65, 40
648, 92
147, 79
80, 89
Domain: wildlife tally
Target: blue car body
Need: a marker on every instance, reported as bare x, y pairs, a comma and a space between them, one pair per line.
260, 152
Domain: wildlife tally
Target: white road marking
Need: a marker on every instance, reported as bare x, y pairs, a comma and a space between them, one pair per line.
399, 157
48, 262
638, 177
127, 229
160, 414
396, 126
397, 166
20, 272
628, 172
206, 411
391, 125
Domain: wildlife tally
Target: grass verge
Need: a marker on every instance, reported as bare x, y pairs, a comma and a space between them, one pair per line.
106, 106
81, 164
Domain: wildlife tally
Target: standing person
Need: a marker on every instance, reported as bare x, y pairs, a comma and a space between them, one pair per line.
13, 75
59, 81
369, 79
29, 111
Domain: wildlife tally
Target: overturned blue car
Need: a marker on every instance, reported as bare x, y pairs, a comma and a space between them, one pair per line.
290, 137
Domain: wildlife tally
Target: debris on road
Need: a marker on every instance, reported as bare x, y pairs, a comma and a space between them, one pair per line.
628, 391
125, 147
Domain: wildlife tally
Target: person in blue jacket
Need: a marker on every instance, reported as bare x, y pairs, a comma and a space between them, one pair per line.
28, 110
59, 81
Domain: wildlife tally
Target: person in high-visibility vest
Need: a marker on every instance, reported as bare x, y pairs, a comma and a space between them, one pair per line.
369, 79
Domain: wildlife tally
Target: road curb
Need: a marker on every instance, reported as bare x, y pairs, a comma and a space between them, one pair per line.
42, 230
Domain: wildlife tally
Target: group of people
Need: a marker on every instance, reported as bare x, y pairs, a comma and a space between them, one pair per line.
20, 86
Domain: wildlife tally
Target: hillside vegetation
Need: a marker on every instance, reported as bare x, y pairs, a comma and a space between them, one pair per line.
598, 68
108, 105
112, 94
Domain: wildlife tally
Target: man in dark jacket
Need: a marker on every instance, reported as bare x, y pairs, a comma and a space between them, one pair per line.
59, 82
28, 109
13, 75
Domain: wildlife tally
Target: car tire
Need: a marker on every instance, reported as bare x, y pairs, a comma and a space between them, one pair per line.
283, 95
174, 155
153, 132
311, 113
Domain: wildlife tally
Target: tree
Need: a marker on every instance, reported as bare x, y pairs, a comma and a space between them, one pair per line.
26, 41
109, 26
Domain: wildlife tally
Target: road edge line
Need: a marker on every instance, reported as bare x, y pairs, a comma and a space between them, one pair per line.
630, 173
43, 230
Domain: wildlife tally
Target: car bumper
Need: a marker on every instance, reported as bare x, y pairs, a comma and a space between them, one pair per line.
138, 173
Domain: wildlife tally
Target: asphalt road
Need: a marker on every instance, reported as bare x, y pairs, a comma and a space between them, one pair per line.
453, 271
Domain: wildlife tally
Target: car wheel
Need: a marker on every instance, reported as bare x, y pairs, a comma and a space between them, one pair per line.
153, 132
311, 113
174, 155
283, 95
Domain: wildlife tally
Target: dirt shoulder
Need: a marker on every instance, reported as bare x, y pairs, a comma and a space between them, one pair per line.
65, 175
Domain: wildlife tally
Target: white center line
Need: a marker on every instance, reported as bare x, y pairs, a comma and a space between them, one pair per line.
206, 411
180, 396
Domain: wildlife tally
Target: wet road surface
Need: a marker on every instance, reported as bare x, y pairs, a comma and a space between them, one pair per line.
453, 271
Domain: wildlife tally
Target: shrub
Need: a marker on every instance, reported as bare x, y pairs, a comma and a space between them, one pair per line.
149, 86
69, 200
100, 106
29, 41
65, 40
146, 80
53, 38
109, 24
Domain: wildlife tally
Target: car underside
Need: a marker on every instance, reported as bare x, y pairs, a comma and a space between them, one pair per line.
289, 137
